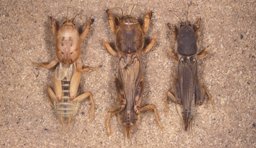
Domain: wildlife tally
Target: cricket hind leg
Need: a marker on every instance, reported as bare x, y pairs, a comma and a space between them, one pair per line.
152, 107
52, 96
88, 95
175, 99
201, 94
74, 84
171, 97
115, 110
111, 112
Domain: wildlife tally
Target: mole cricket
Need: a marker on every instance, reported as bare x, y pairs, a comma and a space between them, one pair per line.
189, 91
129, 48
68, 66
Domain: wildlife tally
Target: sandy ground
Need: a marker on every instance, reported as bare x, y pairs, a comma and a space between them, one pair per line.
26, 118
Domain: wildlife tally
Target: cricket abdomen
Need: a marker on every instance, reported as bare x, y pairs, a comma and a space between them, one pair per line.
129, 72
66, 109
65, 90
187, 75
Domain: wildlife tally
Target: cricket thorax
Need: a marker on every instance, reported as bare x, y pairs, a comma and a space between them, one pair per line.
68, 46
186, 39
129, 38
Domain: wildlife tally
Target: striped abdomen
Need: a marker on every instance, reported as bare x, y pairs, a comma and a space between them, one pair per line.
66, 109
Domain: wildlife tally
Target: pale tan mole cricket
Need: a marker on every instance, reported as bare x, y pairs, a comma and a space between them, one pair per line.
64, 96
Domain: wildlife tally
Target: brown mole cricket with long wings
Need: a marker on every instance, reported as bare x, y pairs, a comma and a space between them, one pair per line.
130, 37
189, 91
64, 96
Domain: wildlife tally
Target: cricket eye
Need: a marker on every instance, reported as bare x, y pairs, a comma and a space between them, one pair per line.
193, 59
182, 60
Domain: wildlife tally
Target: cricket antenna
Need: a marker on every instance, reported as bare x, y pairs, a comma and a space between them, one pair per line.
67, 14
189, 3
72, 20
133, 7
175, 15
119, 8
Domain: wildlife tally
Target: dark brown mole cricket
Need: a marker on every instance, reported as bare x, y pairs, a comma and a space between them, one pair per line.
189, 91
68, 66
129, 47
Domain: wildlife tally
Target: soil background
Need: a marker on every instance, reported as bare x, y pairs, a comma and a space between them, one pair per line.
228, 72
